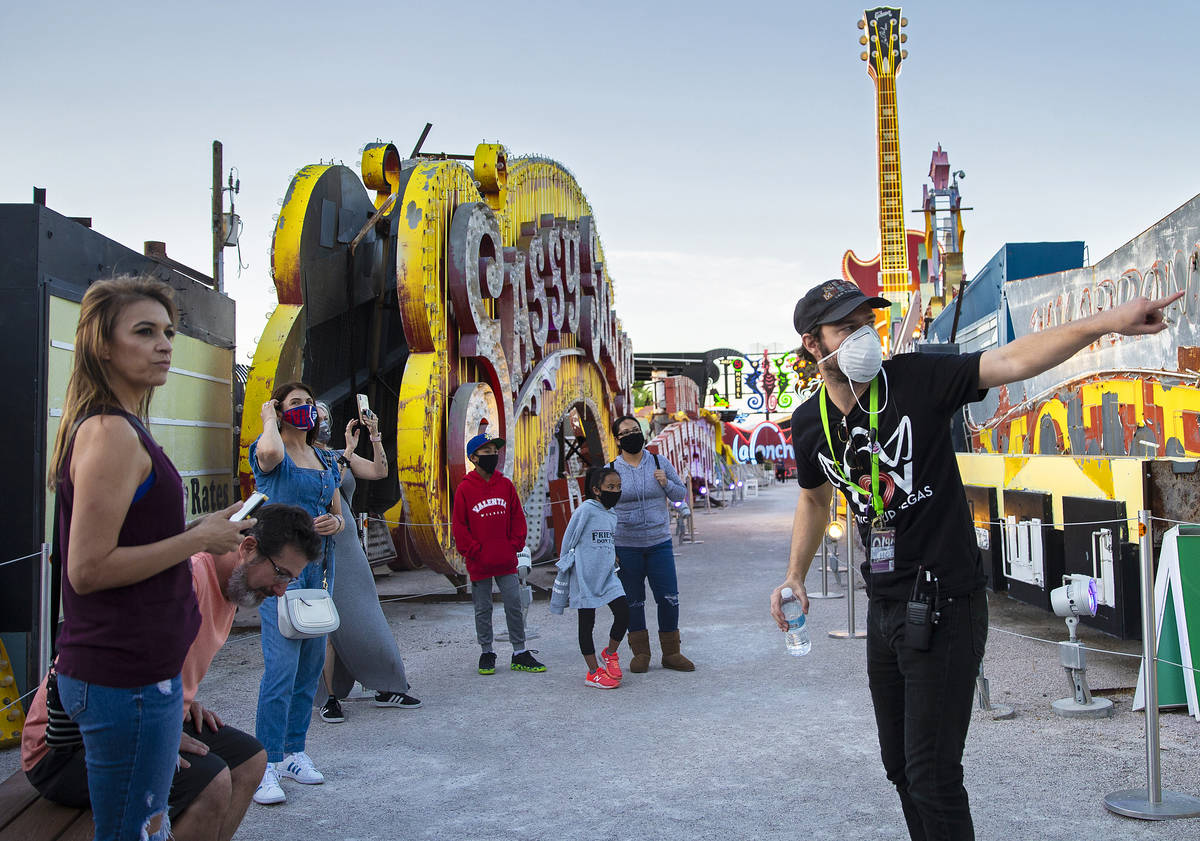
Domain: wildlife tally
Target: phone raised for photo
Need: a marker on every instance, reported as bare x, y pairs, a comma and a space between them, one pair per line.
364, 407
252, 504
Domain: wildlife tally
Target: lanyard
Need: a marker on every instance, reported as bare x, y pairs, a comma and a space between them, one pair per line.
876, 499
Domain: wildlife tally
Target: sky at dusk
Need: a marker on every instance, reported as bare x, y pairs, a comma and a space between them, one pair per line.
727, 149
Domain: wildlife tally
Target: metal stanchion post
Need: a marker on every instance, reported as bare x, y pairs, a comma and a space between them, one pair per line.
1150, 803
850, 632
983, 695
45, 653
825, 594
685, 523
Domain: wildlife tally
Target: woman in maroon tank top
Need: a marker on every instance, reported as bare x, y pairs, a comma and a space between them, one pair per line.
129, 613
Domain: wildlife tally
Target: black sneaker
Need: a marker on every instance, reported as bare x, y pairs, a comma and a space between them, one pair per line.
487, 663
396, 699
524, 662
332, 711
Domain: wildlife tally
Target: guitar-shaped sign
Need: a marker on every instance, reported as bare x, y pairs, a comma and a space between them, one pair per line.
895, 273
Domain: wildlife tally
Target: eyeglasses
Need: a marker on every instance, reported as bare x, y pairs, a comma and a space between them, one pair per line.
282, 574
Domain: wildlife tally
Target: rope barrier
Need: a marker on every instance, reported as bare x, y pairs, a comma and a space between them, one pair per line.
1175, 522
22, 558
1094, 650
19, 700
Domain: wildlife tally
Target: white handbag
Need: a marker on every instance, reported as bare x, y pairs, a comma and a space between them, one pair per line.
304, 614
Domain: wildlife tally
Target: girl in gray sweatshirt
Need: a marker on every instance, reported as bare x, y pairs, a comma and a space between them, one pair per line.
587, 575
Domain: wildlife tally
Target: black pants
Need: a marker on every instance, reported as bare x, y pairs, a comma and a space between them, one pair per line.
587, 622
61, 775
923, 705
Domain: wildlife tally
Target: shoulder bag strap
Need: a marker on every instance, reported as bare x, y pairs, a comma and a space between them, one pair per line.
55, 575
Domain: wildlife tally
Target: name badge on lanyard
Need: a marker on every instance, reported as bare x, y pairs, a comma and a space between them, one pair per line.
882, 549
881, 541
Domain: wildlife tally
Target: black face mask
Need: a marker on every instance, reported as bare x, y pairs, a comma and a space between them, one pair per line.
632, 443
609, 498
487, 463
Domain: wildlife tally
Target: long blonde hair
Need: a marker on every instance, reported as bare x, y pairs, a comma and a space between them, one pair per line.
89, 389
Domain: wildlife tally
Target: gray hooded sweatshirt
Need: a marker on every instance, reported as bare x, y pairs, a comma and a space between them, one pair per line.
642, 516
588, 560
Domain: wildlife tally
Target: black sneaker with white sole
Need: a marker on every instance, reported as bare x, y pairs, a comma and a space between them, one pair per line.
396, 699
331, 711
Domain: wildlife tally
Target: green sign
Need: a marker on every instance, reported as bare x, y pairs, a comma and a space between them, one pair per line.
1177, 605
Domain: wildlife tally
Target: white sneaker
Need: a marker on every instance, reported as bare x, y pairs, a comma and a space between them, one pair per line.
359, 693
300, 768
269, 791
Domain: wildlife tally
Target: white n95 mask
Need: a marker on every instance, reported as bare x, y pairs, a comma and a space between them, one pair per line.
860, 355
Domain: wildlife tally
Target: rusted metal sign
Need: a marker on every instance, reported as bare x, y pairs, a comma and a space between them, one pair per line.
1124, 395
459, 298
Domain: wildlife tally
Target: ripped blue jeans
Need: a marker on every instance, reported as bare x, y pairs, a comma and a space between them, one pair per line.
657, 564
131, 745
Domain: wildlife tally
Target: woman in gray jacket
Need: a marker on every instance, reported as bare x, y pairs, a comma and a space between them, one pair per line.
644, 547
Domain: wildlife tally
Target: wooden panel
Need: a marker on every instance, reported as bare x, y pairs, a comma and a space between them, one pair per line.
81, 830
15, 795
41, 821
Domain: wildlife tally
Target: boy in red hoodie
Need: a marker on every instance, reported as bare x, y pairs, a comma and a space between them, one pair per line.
489, 531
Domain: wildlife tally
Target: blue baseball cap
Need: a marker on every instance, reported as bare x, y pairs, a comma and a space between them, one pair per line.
481, 439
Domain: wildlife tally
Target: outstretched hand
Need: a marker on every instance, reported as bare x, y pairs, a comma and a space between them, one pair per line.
1141, 316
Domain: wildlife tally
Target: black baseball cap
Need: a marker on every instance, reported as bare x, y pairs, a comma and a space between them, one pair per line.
830, 301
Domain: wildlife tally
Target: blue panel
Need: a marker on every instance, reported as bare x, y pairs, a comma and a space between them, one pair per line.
1014, 261
1027, 259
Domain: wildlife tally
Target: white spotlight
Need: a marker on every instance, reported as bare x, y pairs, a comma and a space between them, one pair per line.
1077, 597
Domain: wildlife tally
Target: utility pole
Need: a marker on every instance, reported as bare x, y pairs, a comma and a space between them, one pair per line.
218, 207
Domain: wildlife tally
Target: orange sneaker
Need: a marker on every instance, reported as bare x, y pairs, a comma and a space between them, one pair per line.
612, 664
601, 679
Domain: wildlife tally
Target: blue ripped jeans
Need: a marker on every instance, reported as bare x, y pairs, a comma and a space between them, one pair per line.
657, 564
131, 745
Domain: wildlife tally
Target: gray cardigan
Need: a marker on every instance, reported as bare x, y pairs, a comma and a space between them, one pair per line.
588, 561
642, 516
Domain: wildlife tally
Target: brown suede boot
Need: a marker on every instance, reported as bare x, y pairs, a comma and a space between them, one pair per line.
639, 644
672, 659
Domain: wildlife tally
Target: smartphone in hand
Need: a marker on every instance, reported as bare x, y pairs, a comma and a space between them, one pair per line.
364, 407
252, 504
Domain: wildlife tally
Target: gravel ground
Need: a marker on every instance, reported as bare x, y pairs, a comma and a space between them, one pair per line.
753, 744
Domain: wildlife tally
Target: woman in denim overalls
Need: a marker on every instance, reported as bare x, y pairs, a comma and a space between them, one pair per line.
288, 468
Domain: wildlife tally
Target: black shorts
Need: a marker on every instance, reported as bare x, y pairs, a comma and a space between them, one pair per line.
61, 775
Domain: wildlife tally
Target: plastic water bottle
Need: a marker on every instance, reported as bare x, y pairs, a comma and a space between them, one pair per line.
798, 643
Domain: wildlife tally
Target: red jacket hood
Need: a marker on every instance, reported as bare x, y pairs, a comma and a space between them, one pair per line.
475, 477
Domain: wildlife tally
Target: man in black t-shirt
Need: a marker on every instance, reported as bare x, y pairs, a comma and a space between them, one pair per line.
879, 431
